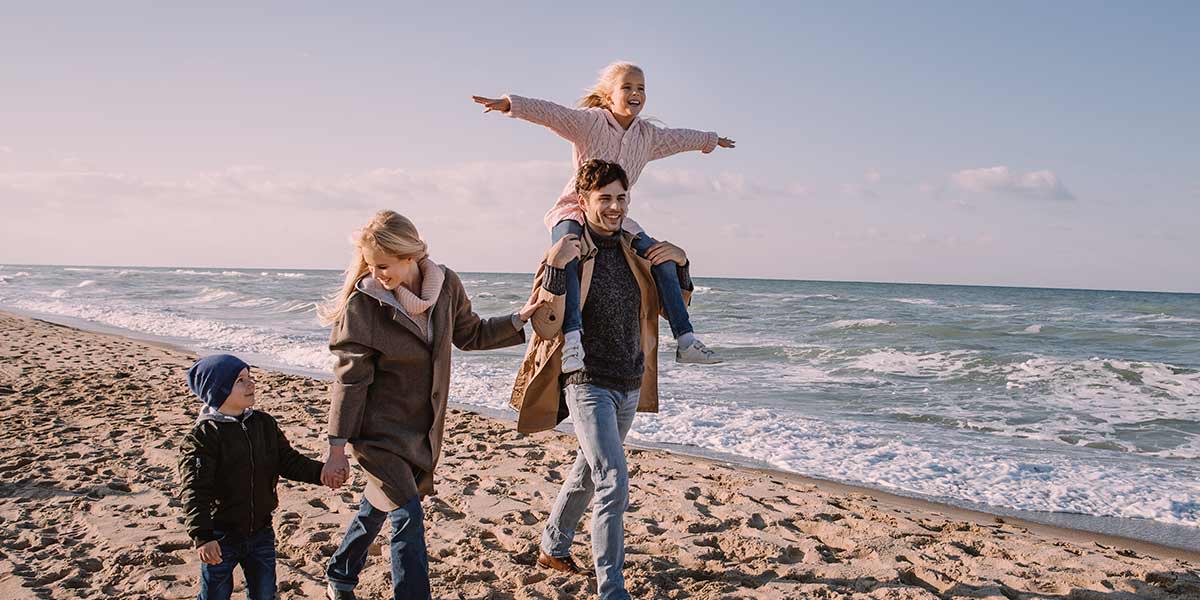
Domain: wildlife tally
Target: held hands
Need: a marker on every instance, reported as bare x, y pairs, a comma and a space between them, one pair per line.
337, 468
666, 251
535, 302
210, 553
725, 142
490, 104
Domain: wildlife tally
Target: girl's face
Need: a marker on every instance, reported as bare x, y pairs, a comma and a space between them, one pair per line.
386, 268
628, 95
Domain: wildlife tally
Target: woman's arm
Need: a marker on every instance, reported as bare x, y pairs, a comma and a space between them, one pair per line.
470, 332
353, 371
572, 124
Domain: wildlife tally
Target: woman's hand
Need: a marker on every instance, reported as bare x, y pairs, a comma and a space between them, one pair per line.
210, 553
565, 250
723, 142
337, 468
490, 104
666, 251
535, 302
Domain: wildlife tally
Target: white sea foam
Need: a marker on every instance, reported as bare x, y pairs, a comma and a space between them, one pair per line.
859, 323
210, 295
58, 293
1029, 330
208, 334
964, 468
918, 301
898, 362
253, 302
86, 283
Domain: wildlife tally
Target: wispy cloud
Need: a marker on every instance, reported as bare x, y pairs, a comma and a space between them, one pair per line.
1002, 180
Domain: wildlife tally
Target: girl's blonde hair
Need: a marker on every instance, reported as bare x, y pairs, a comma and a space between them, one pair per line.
598, 95
389, 232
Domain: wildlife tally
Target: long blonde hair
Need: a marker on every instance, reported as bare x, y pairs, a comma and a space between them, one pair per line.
389, 232
598, 95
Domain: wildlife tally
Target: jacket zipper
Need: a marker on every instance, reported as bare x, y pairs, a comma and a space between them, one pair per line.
250, 445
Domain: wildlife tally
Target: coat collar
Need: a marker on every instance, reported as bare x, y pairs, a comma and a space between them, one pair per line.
437, 321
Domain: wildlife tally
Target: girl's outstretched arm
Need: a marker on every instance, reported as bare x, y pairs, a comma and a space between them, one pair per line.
669, 141
571, 124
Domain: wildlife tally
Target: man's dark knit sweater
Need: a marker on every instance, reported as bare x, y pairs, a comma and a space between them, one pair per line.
611, 338
612, 329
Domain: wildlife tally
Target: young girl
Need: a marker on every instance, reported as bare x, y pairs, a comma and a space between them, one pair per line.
394, 321
607, 127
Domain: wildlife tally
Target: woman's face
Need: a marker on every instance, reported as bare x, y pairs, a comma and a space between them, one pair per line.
628, 95
385, 268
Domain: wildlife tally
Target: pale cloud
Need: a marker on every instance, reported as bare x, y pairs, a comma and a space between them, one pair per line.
6, 150
1002, 180
487, 215
872, 176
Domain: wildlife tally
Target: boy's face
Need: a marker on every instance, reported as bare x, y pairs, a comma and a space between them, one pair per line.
605, 208
242, 395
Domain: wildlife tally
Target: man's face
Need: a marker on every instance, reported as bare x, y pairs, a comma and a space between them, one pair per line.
605, 208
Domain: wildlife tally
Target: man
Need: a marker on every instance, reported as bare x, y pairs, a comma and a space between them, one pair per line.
619, 378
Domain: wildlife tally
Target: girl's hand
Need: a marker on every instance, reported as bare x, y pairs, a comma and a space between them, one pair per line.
725, 142
210, 553
666, 251
490, 104
535, 302
565, 250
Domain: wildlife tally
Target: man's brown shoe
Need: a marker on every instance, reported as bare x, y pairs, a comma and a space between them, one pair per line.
565, 564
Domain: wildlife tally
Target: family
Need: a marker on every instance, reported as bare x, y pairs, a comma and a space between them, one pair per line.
594, 308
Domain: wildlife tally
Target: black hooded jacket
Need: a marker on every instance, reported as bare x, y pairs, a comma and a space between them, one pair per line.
228, 471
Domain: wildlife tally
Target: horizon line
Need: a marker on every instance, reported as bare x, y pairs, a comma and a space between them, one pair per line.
915, 283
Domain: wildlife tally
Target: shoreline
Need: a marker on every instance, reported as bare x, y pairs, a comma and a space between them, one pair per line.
1141, 534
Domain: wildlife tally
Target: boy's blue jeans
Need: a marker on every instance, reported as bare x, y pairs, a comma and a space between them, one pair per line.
256, 555
410, 563
666, 278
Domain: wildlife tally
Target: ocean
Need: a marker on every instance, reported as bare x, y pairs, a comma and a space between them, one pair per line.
1079, 407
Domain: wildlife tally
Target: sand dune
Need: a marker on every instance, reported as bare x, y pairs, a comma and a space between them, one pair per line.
88, 507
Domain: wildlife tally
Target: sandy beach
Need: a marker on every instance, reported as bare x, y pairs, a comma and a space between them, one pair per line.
88, 506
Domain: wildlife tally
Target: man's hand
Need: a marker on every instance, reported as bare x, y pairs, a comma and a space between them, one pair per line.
666, 251
210, 553
726, 142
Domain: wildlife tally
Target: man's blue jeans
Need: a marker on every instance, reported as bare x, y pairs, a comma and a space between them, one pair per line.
256, 555
602, 417
666, 277
410, 563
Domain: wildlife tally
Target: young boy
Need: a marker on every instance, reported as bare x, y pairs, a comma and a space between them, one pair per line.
232, 459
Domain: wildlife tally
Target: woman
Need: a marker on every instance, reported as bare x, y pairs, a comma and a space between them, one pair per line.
394, 321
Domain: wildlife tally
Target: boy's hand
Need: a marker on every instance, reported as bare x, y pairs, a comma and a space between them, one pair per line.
210, 553
565, 250
490, 104
535, 302
726, 142
666, 251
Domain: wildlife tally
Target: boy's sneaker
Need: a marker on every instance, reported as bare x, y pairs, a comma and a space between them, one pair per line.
572, 352
333, 594
696, 354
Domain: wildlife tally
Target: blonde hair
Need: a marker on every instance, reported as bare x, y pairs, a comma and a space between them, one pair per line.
598, 95
389, 232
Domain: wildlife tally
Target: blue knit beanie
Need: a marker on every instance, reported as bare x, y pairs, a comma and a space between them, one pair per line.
212, 377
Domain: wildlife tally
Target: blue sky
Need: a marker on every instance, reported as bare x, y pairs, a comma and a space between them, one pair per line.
1009, 144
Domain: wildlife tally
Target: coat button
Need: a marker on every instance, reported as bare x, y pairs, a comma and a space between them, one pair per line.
435, 395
